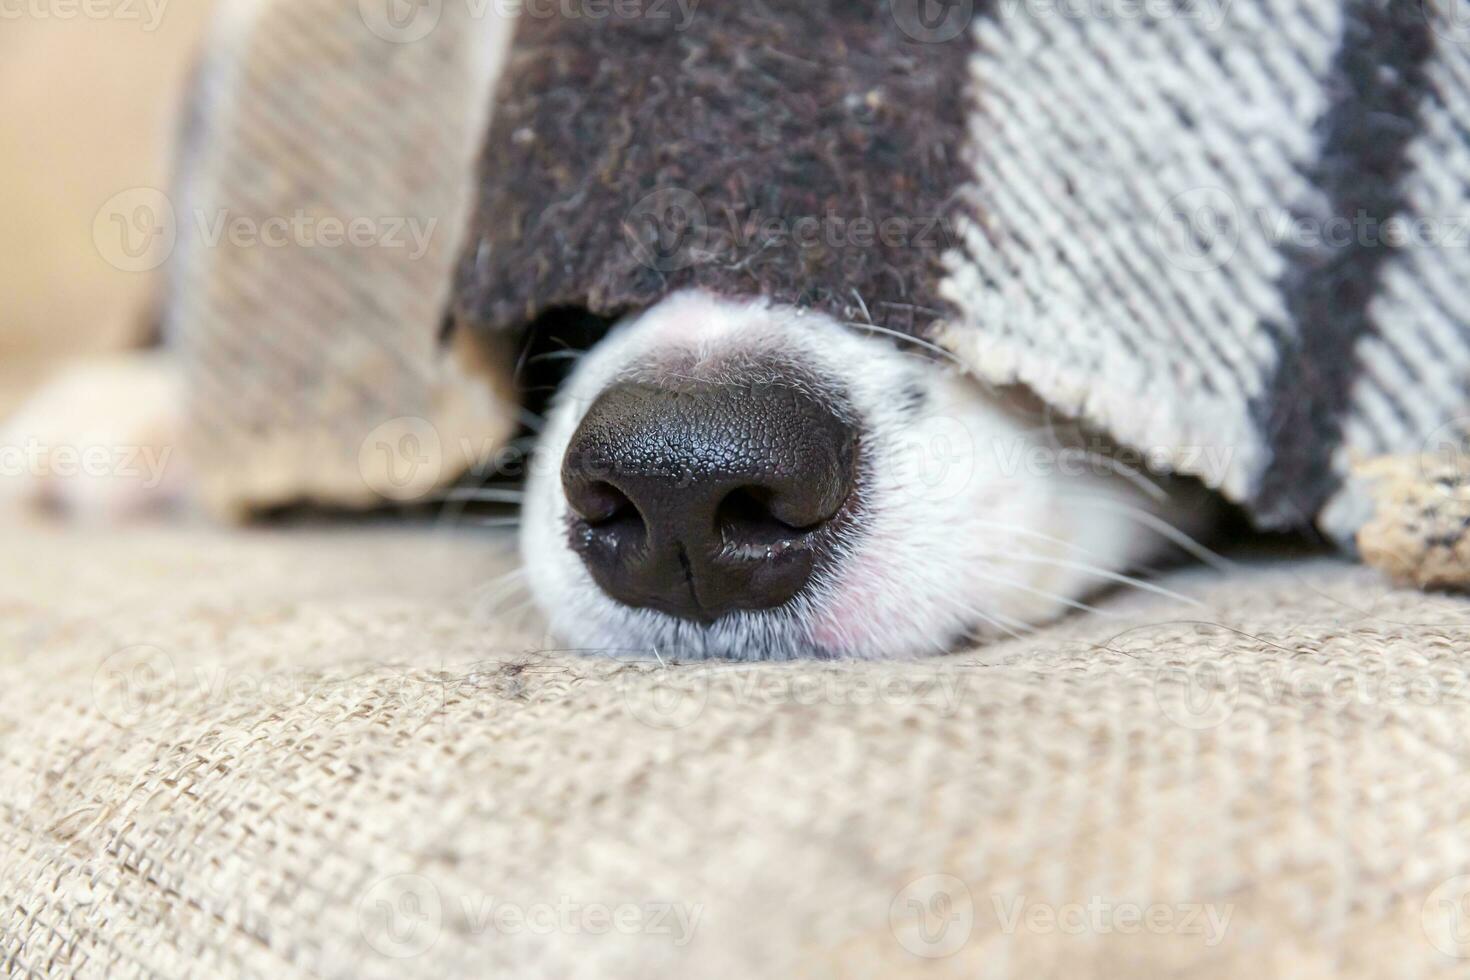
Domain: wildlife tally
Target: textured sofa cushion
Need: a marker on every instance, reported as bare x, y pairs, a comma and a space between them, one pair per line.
329, 752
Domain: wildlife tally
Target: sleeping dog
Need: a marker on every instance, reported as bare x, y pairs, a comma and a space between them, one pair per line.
847, 283
743, 478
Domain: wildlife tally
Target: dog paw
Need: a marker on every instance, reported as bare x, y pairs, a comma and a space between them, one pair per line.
99, 442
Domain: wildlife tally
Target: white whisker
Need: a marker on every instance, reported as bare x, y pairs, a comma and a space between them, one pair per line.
482, 495
917, 342
995, 621
1037, 535
1214, 559
511, 579
497, 598
1071, 603
1006, 624
1084, 567
1133, 476
1015, 622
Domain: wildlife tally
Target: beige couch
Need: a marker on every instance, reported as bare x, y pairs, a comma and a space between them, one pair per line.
337, 752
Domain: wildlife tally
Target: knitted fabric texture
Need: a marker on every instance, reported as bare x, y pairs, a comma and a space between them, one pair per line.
1420, 531
1215, 214
328, 753
632, 156
1223, 234
324, 181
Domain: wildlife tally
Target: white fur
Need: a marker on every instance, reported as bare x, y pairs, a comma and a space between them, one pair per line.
99, 442
945, 494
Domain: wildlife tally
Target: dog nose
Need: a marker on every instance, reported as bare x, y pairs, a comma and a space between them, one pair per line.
702, 499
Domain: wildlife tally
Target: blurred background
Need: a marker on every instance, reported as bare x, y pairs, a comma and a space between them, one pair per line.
89, 96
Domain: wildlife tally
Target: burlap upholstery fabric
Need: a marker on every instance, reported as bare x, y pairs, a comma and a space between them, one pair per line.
322, 753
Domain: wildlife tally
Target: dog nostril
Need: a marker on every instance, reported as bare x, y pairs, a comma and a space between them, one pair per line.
599, 502
611, 520
746, 519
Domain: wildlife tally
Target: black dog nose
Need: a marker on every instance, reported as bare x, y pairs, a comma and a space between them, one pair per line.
702, 499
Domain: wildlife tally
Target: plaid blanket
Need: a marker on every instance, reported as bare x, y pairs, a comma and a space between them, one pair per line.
1229, 235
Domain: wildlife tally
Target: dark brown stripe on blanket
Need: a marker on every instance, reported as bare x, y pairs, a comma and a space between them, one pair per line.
1376, 87
804, 150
